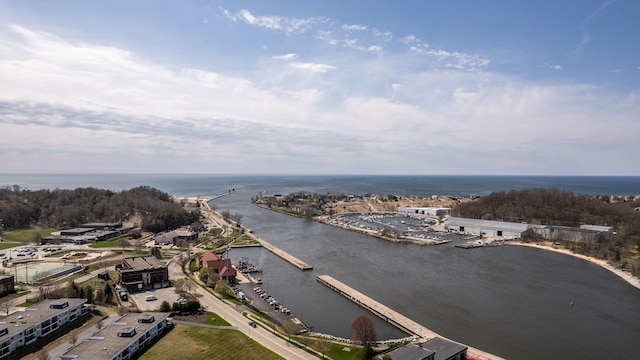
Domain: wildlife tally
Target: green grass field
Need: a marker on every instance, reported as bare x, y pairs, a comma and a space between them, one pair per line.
109, 243
26, 236
194, 342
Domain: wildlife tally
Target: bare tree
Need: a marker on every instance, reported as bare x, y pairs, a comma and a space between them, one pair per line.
363, 331
290, 328
36, 238
124, 243
8, 303
322, 346
44, 355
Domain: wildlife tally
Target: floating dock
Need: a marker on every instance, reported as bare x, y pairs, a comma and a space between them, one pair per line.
285, 255
391, 316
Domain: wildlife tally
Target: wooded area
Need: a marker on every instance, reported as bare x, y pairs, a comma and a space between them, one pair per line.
555, 207
62, 209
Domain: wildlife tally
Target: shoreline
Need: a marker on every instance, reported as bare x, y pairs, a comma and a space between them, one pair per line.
624, 275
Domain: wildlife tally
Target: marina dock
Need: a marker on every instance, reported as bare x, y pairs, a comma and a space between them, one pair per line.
391, 316
285, 255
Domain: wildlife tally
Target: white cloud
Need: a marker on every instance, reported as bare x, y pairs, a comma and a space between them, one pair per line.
354, 27
410, 39
458, 60
318, 68
286, 57
284, 24
77, 103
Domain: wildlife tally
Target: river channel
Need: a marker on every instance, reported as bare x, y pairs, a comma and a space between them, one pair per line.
512, 301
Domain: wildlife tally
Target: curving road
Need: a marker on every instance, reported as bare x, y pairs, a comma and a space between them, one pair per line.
264, 337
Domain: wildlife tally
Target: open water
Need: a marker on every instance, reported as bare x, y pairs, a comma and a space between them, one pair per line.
510, 301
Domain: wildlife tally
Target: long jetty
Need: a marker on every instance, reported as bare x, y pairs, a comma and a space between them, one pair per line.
391, 316
267, 245
285, 255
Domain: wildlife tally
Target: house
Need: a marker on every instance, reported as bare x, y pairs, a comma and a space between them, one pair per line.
23, 328
142, 273
434, 349
220, 266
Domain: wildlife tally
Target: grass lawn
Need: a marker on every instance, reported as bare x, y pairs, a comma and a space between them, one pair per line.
26, 236
109, 243
218, 320
193, 342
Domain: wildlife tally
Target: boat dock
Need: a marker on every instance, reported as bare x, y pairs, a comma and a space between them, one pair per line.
285, 255
391, 316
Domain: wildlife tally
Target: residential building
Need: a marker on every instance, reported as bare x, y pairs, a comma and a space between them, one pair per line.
38, 320
122, 340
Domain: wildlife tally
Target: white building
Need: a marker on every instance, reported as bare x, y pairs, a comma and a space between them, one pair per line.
427, 211
25, 327
121, 340
486, 227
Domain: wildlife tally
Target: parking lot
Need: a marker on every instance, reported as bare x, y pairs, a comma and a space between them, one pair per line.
167, 294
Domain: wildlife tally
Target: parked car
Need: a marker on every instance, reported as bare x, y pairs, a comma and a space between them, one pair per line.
150, 298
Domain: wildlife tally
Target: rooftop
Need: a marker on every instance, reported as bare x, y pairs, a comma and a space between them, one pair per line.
35, 313
106, 343
142, 262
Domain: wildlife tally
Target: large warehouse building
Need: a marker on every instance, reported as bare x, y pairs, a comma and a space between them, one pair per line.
487, 227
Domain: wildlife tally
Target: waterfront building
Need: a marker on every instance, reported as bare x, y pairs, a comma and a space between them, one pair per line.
123, 339
487, 227
433, 349
38, 320
427, 211
221, 266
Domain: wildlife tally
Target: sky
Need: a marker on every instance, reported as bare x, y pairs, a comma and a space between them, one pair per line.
484, 87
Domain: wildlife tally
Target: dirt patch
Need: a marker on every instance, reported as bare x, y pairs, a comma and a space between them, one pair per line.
196, 318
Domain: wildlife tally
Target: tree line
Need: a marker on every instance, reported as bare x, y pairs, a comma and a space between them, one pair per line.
63, 208
564, 208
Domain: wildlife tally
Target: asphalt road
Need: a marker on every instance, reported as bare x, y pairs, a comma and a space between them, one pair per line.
263, 336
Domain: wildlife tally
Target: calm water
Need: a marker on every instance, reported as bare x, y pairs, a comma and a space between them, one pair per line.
510, 301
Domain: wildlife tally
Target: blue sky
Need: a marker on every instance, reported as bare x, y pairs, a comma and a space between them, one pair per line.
325, 87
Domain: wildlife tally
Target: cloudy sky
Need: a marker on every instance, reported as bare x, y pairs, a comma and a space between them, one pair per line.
326, 87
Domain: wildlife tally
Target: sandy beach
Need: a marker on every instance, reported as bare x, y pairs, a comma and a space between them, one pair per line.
625, 275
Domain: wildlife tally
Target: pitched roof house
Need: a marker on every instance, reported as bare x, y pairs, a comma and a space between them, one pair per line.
221, 266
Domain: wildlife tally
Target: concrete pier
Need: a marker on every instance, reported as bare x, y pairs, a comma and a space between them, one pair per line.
391, 316
285, 255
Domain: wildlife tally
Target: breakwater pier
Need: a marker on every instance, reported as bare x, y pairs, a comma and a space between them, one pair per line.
285, 255
391, 316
